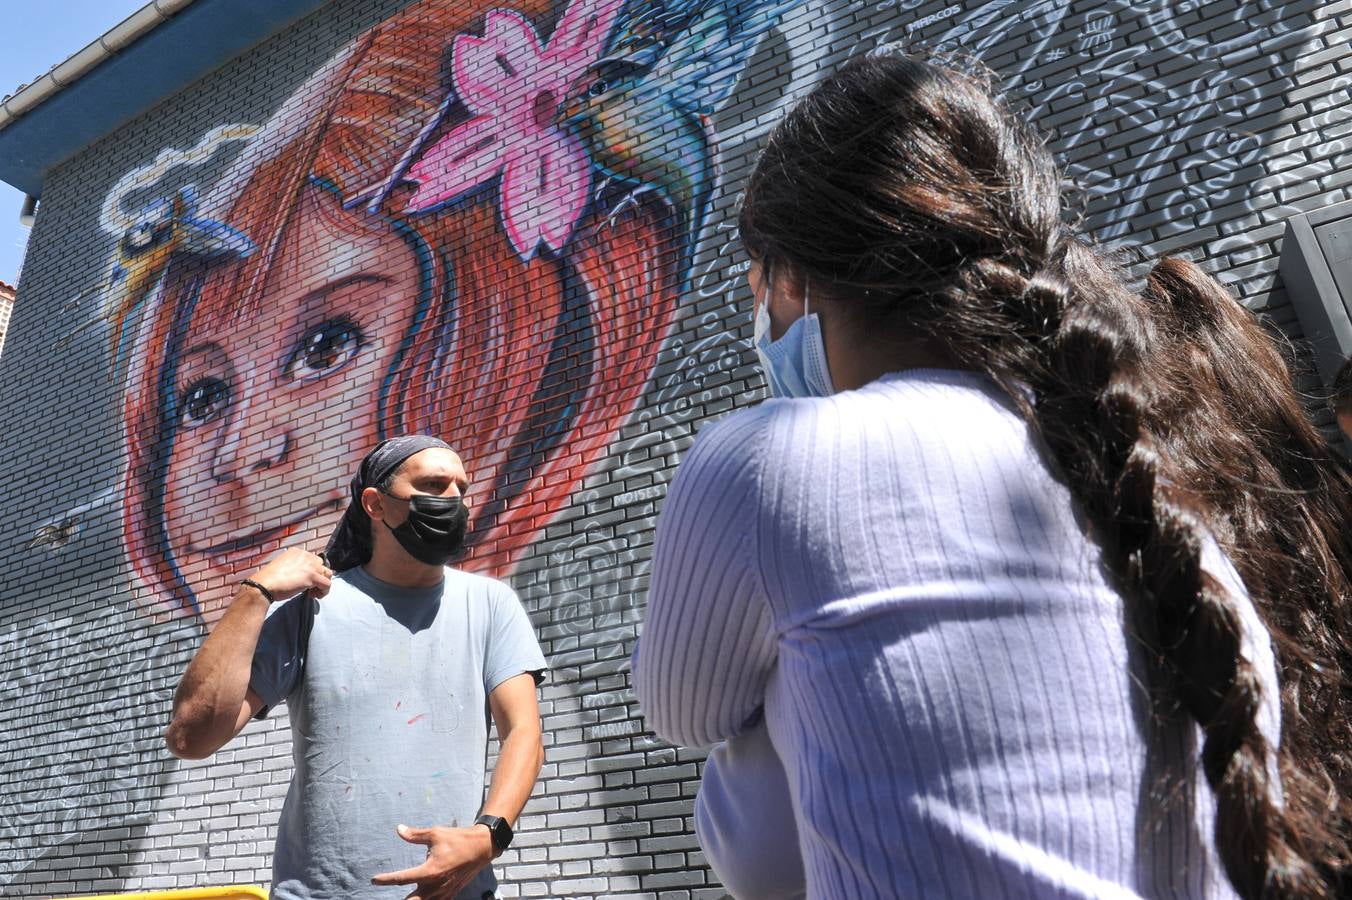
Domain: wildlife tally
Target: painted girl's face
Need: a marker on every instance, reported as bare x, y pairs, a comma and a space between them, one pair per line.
276, 407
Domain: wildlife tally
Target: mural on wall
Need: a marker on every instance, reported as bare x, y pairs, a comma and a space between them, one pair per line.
510, 223
525, 188
490, 250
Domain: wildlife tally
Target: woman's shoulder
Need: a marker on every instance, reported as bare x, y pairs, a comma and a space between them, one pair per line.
929, 405
725, 450
933, 388
916, 411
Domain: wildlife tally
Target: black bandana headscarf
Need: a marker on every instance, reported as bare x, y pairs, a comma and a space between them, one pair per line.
350, 545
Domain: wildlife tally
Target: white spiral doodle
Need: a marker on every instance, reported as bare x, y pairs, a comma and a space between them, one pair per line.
103, 769
114, 220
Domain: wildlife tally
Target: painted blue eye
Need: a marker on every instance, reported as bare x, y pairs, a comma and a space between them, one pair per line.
204, 400
323, 349
142, 237
598, 88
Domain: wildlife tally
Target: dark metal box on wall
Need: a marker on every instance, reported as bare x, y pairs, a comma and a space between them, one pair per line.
1316, 267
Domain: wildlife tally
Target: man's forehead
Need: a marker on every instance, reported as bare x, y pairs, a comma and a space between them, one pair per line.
433, 461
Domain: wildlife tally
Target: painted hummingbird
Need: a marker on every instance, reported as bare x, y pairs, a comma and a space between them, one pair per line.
642, 110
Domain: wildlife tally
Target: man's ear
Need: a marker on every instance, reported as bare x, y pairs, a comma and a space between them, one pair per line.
371, 502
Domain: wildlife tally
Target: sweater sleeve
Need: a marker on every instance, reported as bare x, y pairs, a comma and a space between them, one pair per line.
708, 645
745, 821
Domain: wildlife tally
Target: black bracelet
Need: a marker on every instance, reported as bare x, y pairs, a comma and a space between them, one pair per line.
262, 590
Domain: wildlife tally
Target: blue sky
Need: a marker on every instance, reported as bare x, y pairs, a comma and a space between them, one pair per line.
34, 38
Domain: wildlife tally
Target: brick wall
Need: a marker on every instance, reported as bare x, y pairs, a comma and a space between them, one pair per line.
602, 332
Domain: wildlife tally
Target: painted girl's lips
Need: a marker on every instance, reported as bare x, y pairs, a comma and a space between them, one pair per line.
258, 538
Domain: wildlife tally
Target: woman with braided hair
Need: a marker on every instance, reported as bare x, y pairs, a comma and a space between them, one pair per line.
961, 567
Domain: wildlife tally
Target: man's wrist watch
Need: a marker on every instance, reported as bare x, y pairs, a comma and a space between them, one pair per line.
499, 829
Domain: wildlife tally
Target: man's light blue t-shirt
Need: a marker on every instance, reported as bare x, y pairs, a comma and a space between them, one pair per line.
389, 725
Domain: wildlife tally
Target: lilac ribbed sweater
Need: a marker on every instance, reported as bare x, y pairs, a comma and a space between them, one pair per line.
957, 704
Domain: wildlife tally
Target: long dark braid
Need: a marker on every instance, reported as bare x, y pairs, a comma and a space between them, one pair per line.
909, 196
1285, 495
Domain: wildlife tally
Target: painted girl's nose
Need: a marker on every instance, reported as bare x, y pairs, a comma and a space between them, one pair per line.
257, 437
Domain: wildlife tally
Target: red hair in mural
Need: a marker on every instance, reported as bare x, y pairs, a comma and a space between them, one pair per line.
403, 273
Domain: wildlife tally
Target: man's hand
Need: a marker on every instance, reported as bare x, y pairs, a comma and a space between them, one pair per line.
454, 857
295, 570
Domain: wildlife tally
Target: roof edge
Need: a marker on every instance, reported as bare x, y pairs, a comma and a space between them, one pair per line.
71, 70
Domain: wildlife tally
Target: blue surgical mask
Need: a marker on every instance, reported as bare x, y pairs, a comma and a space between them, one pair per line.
795, 365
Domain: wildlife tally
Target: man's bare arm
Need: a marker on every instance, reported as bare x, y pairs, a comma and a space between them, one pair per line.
516, 711
213, 701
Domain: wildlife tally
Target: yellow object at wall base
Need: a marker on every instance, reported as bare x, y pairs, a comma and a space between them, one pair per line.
234, 892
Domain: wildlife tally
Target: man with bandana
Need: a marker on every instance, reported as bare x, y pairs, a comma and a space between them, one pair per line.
389, 663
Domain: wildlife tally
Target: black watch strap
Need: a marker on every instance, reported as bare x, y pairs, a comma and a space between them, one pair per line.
501, 831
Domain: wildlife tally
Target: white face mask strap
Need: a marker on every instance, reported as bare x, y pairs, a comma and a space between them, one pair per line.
807, 292
767, 286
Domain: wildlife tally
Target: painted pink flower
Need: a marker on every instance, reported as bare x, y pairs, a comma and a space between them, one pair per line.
514, 86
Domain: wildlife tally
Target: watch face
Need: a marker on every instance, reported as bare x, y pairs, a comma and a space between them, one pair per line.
501, 831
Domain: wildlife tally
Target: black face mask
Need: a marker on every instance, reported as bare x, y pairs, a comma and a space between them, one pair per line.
434, 530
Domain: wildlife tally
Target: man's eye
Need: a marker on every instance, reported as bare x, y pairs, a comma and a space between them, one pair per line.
204, 400
323, 349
